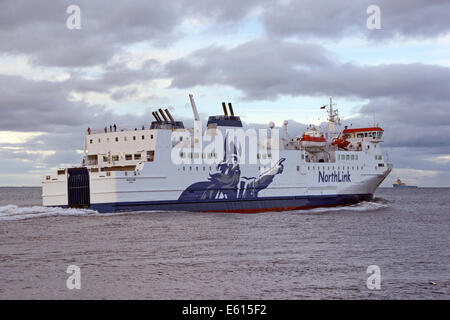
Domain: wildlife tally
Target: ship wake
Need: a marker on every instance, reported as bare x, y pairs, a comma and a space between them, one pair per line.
375, 205
13, 212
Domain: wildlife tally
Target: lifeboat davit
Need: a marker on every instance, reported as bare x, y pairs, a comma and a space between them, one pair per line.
341, 143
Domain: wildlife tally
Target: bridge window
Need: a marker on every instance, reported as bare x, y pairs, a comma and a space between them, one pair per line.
128, 157
134, 137
137, 156
143, 137
115, 158
90, 141
151, 137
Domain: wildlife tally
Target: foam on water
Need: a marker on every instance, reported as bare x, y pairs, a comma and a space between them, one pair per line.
14, 212
375, 205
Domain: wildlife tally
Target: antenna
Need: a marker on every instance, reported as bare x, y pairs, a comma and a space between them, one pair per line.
373, 113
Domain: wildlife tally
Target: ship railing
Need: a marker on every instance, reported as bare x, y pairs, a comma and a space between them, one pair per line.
118, 129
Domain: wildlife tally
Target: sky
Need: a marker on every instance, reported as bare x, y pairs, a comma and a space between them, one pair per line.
274, 60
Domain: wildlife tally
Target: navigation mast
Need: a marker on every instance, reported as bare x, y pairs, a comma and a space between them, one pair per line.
333, 117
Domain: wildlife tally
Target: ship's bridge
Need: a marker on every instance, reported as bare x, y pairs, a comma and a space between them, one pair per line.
373, 133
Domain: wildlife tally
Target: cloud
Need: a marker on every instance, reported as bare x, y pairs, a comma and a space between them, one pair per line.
38, 28
260, 68
339, 19
266, 69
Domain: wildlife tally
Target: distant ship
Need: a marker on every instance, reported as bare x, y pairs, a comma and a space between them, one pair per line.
400, 184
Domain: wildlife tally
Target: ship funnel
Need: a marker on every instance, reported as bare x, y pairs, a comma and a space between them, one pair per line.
231, 109
169, 115
224, 106
194, 108
155, 115
163, 115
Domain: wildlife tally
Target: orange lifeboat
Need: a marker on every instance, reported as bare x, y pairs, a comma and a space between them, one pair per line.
313, 139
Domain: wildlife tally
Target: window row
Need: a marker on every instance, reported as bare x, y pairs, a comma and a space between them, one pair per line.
348, 157
332, 168
116, 139
136, 156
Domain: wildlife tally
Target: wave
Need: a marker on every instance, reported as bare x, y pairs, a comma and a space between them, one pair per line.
14, 212
375, 205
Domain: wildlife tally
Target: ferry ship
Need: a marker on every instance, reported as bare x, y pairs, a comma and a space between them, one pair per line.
162, 167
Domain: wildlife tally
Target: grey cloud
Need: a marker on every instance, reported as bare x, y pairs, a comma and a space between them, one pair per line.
116, 76
29, 105
265, 69
38, 28
260, 68
336, 19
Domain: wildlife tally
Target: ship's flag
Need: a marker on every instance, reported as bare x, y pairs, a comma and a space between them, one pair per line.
323, 107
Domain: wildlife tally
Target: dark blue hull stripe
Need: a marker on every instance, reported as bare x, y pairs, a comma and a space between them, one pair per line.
238, 205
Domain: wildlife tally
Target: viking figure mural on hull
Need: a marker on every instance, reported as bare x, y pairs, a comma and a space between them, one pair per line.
227, 183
